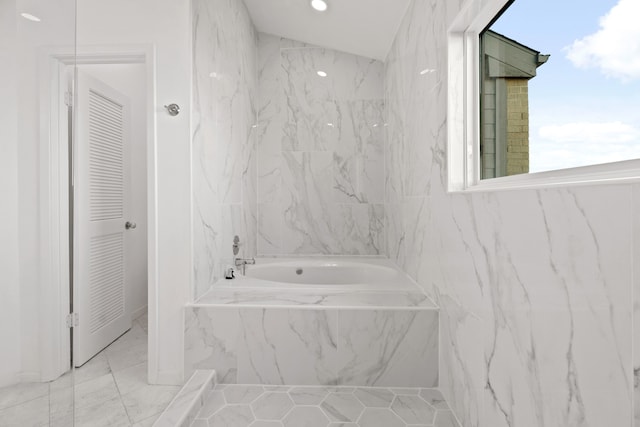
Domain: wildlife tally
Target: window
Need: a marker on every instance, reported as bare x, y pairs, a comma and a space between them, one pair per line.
539, 86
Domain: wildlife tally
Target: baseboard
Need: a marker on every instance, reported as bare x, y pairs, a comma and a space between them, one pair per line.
30, 377
20, 377
170, 378
138, 312
9, 379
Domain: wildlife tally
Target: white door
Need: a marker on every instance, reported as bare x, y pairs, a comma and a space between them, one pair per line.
101, 209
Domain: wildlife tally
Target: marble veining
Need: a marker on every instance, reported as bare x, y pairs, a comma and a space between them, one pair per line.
109, 390
535, 287
320, 151
315, 298
188, 402
224, 134
333, 345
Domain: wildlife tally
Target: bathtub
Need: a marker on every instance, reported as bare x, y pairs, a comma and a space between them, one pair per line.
326, 272
316, 321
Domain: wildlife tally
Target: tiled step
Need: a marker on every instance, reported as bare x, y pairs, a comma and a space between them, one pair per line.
317, 406
187, 404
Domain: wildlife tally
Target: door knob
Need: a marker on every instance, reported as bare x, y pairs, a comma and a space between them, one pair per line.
129, 225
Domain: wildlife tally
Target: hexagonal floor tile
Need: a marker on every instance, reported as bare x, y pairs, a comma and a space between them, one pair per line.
413, 410
232, 415
277, 387
261, 423
213, 402
434, 398
305, 416
407, 391
446, 419
374, 397
378, 417
308, 395
272, 406
342, 407
242, 393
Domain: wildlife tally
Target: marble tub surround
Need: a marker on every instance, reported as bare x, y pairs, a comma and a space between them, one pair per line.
262, 406
315, 299
321, 346
224, 115
380, 331
320, 151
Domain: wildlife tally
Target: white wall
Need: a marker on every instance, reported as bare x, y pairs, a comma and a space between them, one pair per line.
9, 279
130, 79
56, 29
166, 25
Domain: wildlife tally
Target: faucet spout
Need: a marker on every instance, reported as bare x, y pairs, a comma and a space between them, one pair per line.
243, 262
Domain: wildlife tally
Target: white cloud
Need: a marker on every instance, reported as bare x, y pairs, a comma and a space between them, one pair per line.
581, 144
615, 47
586, 132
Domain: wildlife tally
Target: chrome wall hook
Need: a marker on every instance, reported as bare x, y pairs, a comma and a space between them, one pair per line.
173, 109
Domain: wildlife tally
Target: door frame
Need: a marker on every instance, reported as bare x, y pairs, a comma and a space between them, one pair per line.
55, 343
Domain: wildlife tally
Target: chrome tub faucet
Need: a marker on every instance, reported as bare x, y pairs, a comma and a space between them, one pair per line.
243, 262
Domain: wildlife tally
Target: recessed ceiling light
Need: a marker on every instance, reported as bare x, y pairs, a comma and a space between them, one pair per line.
319, 5
30, 17
322, 74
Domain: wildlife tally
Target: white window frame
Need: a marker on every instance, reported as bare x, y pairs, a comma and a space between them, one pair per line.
463, 140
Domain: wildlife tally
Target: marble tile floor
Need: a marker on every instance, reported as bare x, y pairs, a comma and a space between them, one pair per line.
110, 390
317, 406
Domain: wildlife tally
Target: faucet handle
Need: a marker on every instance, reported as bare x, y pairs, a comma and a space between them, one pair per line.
236, 245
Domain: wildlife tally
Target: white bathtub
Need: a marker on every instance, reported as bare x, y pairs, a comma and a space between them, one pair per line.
327, 273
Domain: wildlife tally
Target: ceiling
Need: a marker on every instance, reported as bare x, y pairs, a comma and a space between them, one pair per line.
361, 27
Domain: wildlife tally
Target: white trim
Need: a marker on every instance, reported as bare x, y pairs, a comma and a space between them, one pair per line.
54, 262
152, 219
54, 222
29, 377
169, 378
135, 314
627, 171
10, 379
463, 109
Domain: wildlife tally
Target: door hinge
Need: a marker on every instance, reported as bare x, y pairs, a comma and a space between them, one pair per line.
68, 99
72, 320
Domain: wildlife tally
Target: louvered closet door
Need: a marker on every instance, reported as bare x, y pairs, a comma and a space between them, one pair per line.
101, 206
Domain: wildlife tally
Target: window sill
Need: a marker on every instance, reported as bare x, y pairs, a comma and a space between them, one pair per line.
623, 172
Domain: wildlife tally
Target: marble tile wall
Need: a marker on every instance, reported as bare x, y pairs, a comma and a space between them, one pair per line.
224, 114
535, 287
636, 305
314, 347
320, 151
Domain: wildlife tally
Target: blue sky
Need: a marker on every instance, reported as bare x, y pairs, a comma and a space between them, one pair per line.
585, 101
